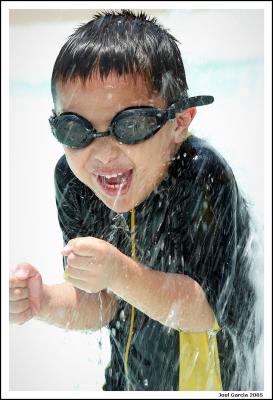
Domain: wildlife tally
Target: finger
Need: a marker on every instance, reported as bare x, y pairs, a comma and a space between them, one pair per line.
21, 318
86, 246
18, 294
66, 250
81, 285
81, 262
75, 273
35, 292
15, 282
25, 271
16, 307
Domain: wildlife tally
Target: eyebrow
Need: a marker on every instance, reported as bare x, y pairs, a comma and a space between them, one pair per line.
136, 107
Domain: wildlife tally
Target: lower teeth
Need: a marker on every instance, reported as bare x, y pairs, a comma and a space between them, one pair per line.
114, 186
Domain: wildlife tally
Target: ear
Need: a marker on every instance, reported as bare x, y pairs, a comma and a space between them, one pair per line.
182, 123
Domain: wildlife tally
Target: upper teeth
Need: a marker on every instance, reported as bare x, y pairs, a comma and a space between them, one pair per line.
113, 175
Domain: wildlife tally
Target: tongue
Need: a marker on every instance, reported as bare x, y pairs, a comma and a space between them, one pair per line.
118, 179
115, 181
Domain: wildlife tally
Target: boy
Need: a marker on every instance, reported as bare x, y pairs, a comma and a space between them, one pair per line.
156, 231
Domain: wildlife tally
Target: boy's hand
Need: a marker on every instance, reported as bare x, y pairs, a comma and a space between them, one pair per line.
25, 293
92, 264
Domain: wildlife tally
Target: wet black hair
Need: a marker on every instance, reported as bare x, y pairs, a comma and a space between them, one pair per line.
127, 44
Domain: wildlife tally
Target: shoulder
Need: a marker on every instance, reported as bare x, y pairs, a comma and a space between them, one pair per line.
68, 188
201, 177
64, 178
200, 162
62, 172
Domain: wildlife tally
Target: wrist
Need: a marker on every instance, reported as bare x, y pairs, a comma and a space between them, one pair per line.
43, 311
124, 275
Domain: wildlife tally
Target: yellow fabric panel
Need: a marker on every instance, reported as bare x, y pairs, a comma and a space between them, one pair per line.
199, 361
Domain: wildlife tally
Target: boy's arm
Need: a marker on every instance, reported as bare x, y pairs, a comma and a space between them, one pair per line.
175, 300
68, 307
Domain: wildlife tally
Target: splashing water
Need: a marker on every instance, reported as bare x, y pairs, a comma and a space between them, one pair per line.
118, 194
100, 337
100, 299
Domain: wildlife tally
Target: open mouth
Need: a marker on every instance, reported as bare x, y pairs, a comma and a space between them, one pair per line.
116, 184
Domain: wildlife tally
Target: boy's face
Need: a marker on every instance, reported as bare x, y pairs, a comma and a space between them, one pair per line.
121, 175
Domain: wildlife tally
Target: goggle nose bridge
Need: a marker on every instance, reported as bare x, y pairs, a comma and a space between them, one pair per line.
96, 135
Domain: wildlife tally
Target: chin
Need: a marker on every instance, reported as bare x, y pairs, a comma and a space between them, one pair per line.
119, 206
120, 210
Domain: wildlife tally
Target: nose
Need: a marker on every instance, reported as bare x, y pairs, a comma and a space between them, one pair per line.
105, 149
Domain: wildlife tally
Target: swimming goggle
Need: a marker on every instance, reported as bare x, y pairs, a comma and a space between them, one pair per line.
129, 126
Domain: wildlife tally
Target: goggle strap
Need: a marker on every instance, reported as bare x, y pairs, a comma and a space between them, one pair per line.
188, 102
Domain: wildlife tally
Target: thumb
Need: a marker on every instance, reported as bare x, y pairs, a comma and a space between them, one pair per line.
35, 287
25, 271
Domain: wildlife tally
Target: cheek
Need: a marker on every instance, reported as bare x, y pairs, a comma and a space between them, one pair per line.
156, 152
151, 161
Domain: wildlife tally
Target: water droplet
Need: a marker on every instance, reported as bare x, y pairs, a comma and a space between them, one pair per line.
92, 260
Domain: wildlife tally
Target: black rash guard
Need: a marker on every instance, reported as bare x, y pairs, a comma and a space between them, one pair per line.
195, 223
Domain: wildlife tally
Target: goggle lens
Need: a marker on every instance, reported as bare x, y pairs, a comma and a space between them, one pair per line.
70, 131
131, 129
